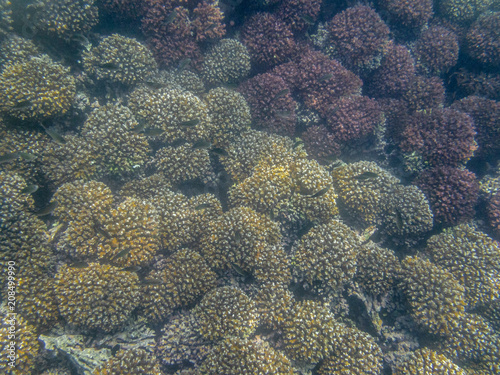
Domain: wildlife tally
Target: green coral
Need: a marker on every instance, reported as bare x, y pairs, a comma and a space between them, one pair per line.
184, 277
472, 257
426, 361
463, 10
436, 299
109, 129
97, 297
227, 62
130, 362
243, 356
36, 88
327, 253
119, 59
226, 312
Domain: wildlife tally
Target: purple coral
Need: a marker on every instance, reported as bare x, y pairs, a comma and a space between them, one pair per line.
486, 116
424, 93
494, 212
320, 143
271, 105
394, 75
358, 36
295, 13
441, 137
408, 13
483, 40
321, 80
436, 50
452, 193
268, 39
353, 117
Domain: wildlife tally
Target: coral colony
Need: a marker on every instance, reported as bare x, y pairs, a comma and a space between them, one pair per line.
259, 187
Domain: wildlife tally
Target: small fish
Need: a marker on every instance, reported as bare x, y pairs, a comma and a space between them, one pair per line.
101, 231
21, 106
325, 77
138, 128
132, 269
329, 158
297, 143
367, 234
171, 17
122, 253
237, 237
230, 86
281, 94
183, 64
27, 156
30, 189
202, 206
82, 40
154, 85
202, 144
238, 269
108, 65
153, 132
365, 176
399, 220
219, 151
56, 137
81, 264
283, 114
47, 210
190, 123
307, 19
320, 192
115, 349
152, 282
5, 158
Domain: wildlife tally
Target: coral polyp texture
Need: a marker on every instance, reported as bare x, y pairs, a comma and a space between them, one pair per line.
252, 187
327, 253
357, 37
436, 299
472, 257
268, 39
226, 312
483, 40
227, 62
119, 59
242, 356
36, 88
96, 297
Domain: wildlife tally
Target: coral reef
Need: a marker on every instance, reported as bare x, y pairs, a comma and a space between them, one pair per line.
268, 40
362, 188
207, 21
230, 115
410, 14
242, 356
327, 253
392, 78
110, 131
424, 94
494, 212
180, 114
16, 49
452, 193
463, 11
436, 298
473, 259
36, 88
119, 59
299, 14
129, 362
485, 113
310, 332
423, 361
358, 37
226, 312
436, 51
226, 62
22, 351
271, 105
483, 40
96, 297
319, 143
5, 18
183, 278
441, 137
64, 18
353, 118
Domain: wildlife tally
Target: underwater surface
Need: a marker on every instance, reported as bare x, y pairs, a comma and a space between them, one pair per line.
250, 187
